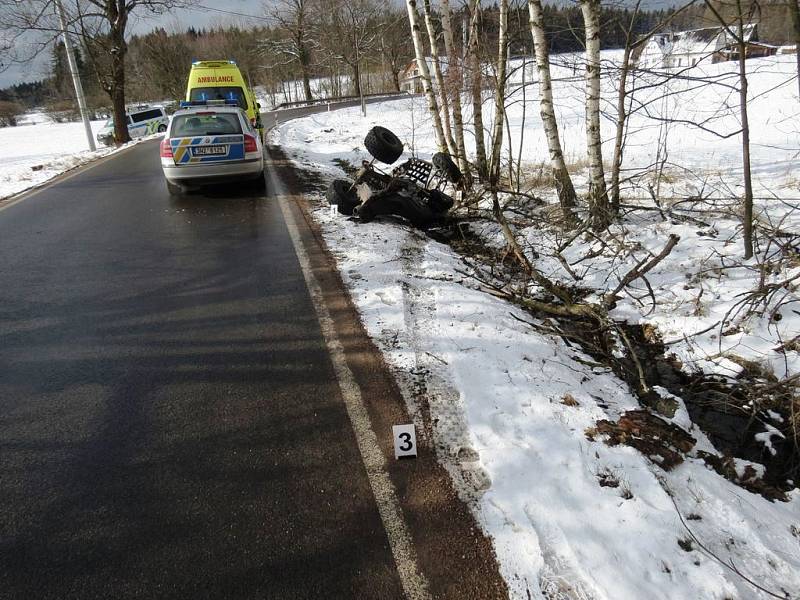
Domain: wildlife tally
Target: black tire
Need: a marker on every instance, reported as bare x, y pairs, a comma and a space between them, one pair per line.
413, 208
162, 128
174, 189
449, 169
439, 201
385, 146
343, 195
259, 183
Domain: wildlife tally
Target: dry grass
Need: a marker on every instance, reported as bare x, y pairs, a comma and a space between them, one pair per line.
569, 400
578, 166
536, 176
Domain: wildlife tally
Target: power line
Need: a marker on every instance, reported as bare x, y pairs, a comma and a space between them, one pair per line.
232, 12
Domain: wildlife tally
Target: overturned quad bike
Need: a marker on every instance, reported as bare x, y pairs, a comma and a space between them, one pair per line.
413, 190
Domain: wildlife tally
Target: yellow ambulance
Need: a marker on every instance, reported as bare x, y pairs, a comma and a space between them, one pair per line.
222, 80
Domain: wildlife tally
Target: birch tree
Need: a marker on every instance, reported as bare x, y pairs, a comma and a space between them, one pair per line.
599, 209
736, 33
633, 43
477, 92
622, 118
499, 96
455, 81
425, 75
444, 104
561, 176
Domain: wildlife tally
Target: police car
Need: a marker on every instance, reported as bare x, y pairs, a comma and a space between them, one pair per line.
211, 142
142, 120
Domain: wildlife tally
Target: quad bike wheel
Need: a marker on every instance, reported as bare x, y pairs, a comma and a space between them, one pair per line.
439, 201
406, 203
384, 145
445, 164
341, 193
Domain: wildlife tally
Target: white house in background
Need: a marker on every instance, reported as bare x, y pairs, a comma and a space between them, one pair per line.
679, 49
410, 78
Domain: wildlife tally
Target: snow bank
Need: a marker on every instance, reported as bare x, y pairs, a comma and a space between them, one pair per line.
38, 149
509, 407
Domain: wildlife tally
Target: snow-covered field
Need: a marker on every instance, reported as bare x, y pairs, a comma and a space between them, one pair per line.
570, 517
701, 158
37, 150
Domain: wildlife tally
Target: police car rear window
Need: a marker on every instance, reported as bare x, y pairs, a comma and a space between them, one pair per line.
147, 115
205, 124
220, 93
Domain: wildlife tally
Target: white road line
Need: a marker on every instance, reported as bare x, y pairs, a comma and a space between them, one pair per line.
414, 583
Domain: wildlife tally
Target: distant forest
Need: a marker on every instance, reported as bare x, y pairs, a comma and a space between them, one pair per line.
158, 62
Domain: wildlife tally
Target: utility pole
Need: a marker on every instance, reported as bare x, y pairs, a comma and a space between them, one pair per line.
76, 79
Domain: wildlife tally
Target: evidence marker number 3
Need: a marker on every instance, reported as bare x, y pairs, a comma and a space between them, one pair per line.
405, 440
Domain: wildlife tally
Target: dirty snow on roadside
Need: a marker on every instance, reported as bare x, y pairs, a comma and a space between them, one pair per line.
507, 407
38, 149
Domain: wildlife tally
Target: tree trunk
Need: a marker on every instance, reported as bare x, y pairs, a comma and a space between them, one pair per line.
563, 181
599, 210
356, 79
422, 65
444, 103
306, 79
499, 96
455, 86
622, 95
118, 50
477, 94
794, 9
741, 45
748, 184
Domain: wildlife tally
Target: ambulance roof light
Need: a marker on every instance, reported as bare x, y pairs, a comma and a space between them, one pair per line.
190, 103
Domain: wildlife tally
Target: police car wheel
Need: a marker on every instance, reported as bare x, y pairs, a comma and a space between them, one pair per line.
259, 183
162, 128
174, 189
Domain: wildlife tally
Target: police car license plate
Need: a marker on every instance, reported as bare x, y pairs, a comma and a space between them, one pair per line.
209, 150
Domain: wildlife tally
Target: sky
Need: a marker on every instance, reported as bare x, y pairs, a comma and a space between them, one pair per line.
205, 13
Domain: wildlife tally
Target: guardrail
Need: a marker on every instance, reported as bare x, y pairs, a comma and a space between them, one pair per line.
336, 100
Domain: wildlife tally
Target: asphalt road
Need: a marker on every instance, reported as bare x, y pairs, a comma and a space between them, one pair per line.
170, 422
